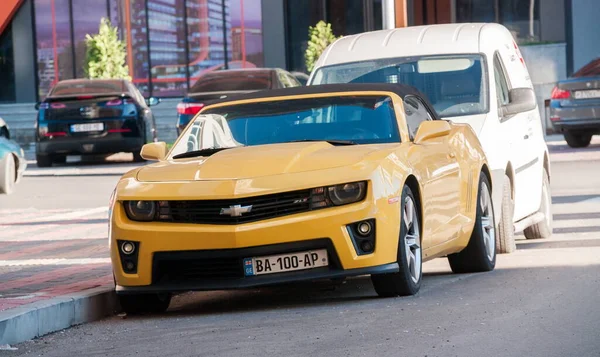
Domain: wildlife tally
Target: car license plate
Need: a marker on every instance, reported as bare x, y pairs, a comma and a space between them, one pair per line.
79, 128
285, 262
587, 94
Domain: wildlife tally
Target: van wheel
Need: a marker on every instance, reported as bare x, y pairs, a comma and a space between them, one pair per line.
144, 303
480, 253
505, 239
43, 160
542, 229
8, 174
407, 281
578, 139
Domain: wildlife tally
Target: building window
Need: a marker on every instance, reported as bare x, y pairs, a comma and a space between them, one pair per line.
7, 68
54, 46
86, 20
246, 42
521, 17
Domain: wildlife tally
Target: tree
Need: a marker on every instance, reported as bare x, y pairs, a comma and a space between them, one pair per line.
320, 37
106, 54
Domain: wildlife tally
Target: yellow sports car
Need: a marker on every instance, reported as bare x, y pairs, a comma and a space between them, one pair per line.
309, 183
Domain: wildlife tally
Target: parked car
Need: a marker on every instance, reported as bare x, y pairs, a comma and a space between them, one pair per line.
301, 77
575, 106
217, 85
472, 73
91, 117
12, 161
319, 182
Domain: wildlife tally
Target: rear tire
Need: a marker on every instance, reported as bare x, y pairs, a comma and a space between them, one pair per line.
137, 156
542, 229
578, 139
505, 239
480, 253
8, 174
144, 303
43, 160
407, 281
59, 159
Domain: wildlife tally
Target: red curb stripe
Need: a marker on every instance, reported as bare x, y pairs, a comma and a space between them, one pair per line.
50, 245
48, 276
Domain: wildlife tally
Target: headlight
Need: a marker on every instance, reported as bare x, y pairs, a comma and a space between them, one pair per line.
140, 210
346, 193
338, 195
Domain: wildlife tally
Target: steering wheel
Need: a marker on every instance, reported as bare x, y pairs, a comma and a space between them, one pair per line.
363, 134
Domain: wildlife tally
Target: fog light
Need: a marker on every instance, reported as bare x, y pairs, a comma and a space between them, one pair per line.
127, 248
366, 246
129, 266
364, 228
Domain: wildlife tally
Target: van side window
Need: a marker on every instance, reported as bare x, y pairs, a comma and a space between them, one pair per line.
416, 113
501, 83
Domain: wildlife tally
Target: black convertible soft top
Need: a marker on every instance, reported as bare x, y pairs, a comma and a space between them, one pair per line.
401, 90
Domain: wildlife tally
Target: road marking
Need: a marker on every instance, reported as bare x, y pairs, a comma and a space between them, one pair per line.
26, 262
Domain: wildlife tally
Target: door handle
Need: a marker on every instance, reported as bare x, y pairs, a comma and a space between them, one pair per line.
451, 155
526, 136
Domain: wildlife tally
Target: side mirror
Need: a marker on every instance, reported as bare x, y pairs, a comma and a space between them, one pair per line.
154, 151
431, 129
152, 101
37, 106
520, 100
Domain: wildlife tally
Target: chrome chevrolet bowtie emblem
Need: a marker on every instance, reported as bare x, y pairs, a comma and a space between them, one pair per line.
236, 211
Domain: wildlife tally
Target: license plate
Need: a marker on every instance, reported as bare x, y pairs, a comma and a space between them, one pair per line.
285, 262
78, 128
587, 94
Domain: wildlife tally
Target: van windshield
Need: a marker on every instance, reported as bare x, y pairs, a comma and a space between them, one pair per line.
455, 84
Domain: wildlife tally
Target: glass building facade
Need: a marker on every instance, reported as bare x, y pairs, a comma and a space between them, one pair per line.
170, 43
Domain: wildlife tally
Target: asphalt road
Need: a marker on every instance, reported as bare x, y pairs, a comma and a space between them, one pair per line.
540, 301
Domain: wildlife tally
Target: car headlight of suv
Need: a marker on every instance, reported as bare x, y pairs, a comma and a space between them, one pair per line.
338, 195
140, 210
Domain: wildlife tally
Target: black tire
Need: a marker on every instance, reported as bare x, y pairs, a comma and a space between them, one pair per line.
480, 253
505, 239
144, 303
137, 156
578, 139
543, 229
8, 174
59, 159
43, 160
407, 281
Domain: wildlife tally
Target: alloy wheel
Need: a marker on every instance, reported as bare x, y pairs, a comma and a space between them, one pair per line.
487, 222
412, 240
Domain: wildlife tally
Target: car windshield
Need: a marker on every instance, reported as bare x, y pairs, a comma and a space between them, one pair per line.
87, 87
351, 119
455, 85
232, 80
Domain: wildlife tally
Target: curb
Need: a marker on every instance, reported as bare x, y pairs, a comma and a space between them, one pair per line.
40, 318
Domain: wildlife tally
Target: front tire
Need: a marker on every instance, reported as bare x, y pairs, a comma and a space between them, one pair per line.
144, 303
542, 229
43, 160
578, 139
480, 253
8, 174
407, 281
505, 239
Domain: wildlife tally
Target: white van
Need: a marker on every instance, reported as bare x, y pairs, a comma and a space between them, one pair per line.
472, 73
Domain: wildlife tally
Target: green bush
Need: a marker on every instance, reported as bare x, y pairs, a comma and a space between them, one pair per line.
106, 54
320, 36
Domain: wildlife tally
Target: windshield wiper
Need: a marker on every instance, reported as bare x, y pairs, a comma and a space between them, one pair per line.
332, 142
203, 152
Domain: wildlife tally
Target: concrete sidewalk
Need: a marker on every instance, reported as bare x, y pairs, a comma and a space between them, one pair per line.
54, 271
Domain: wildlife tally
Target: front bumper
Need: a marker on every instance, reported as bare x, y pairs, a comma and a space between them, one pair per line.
109, 144
225, 246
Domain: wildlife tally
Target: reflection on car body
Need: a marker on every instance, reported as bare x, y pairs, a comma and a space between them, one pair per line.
320, 182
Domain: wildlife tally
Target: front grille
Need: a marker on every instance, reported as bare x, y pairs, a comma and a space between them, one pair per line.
263, 207
196, 269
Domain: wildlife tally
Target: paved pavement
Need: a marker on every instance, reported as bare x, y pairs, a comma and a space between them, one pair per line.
548, 290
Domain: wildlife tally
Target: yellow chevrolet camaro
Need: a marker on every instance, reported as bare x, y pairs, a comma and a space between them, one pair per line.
310, 183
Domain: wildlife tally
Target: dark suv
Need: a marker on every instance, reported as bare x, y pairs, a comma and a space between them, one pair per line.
84, 117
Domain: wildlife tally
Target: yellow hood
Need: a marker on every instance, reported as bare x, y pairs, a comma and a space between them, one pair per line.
257, 161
